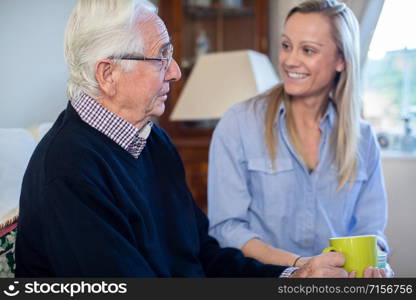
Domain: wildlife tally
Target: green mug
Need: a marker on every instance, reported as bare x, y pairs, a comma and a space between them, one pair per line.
360, 252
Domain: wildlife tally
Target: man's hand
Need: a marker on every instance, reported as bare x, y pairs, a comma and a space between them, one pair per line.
324, 265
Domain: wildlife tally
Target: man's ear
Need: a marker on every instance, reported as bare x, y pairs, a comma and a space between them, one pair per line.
106, 75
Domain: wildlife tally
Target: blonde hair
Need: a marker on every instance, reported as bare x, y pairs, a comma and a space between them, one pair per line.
346, 93
99, 29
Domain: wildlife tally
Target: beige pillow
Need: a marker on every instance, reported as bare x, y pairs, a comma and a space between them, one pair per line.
16, 148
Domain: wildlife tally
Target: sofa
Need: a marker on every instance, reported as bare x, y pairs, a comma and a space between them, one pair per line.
16, 148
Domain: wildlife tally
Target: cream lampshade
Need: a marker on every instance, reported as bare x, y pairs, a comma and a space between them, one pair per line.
218, 80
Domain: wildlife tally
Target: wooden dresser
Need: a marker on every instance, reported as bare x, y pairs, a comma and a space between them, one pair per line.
243, 25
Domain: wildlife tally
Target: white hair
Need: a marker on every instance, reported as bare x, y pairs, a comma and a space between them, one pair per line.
99, 29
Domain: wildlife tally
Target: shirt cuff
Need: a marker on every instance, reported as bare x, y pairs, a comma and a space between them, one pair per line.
288, 271
382, 244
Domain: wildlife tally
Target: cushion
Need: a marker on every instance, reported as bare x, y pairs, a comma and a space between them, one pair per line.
16, 147
7, 247
38, 131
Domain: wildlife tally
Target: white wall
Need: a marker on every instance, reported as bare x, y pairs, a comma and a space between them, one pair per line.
33, 73
400, 178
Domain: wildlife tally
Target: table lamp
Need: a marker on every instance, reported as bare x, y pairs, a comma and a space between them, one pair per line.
220, 79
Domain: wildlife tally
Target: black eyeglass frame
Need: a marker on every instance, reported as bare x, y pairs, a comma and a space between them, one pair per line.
131, 57
145, 58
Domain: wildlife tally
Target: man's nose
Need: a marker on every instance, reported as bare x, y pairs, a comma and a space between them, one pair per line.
173, 73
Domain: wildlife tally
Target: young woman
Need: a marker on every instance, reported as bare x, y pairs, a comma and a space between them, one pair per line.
296, 165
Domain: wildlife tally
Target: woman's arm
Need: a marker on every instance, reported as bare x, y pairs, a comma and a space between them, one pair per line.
370, 212
229, 197
267, 254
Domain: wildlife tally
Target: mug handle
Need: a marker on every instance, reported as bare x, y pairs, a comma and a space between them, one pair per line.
329, 249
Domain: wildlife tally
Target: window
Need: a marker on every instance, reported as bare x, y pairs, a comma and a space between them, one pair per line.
390, 77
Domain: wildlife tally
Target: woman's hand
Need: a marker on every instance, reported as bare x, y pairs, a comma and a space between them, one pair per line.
371, 272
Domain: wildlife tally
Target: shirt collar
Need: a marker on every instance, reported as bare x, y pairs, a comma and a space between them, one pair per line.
329, 114
123, 133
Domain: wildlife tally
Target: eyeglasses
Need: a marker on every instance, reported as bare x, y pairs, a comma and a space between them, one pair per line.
166, 57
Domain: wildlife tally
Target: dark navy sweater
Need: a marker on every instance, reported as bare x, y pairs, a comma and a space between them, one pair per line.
89, 209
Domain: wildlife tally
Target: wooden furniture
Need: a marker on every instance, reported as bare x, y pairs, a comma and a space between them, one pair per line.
227, 28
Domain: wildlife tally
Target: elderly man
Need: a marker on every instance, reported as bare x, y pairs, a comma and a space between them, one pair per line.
104, 193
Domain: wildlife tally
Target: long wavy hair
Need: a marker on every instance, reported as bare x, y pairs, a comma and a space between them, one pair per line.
346, 94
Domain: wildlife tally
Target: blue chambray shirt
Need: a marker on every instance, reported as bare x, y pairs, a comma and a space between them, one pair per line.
288, 207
